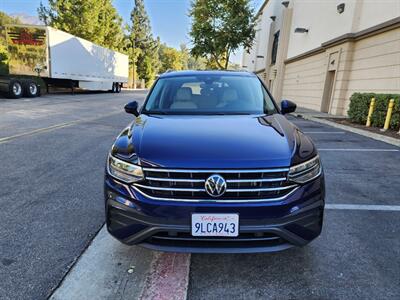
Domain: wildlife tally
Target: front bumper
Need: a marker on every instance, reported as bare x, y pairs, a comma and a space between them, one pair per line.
263, 227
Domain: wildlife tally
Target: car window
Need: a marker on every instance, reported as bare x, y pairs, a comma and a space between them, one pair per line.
209, 94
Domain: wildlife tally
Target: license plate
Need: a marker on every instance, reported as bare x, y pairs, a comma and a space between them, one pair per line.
215, 225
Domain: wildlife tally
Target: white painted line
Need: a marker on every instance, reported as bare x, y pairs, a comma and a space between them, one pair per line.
363, 207
357, 149
372, 135
324, 132
57, 126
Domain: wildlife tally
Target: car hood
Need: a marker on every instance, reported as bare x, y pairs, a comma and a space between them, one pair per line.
240, 141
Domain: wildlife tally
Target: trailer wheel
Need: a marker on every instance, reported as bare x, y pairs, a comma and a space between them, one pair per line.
31, 89
114, 88
117, 87
15, 89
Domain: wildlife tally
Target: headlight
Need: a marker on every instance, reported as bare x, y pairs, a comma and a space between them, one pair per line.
306, 171
123, 170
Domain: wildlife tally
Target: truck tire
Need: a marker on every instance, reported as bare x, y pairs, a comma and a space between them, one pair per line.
15, 89
113, 88
118, 87
31, 89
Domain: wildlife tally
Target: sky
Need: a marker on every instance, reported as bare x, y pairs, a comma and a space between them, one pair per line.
169, 18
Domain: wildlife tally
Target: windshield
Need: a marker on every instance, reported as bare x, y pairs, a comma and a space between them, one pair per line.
207, 94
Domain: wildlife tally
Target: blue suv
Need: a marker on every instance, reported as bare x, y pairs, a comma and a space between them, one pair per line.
210, 164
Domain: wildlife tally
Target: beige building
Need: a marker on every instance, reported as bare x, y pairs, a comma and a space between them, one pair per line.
319, 52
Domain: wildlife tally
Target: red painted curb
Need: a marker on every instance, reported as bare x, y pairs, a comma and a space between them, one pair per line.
168, 278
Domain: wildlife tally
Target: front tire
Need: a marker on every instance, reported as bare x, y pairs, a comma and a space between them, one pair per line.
15, 89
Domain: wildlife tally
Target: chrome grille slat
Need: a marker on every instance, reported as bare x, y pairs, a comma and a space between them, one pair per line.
261, 189
175, 179
227, 191
243, 185
168, 189
217, 171
255, 180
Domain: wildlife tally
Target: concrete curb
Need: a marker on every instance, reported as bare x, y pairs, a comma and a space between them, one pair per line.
107, 269
372, 135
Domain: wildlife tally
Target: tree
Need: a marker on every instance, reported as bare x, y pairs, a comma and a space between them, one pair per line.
144, 48
189, 62
219, 27
4, 20
170, 58
95, 20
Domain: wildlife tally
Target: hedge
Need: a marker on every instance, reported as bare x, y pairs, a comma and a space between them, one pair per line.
359, 106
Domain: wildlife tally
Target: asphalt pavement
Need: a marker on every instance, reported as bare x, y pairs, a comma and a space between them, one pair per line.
51, 184
52, 155
357, 254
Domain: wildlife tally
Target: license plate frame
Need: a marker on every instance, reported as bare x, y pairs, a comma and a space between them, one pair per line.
208, 224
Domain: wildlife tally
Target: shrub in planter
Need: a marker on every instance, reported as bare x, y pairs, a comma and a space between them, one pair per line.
359, 106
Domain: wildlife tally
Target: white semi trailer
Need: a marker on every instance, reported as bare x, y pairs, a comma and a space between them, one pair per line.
59, 59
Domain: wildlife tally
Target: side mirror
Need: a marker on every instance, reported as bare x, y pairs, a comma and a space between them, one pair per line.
132, 108
287, 107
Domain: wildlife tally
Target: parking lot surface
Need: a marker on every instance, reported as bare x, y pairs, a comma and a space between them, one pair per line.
52, 164
51, 184
357, 254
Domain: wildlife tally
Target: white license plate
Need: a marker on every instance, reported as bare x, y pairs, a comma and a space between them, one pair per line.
215, 225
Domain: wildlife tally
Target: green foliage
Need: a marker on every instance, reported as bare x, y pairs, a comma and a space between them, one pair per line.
24, 57
143, 48
220, 27
94, 20
171, 59
4, 20
359, 107
189, 62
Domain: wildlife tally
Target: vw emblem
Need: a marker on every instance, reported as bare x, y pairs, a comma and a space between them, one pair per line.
215, 185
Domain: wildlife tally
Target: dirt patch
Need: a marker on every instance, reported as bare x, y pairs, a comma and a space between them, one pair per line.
390, 133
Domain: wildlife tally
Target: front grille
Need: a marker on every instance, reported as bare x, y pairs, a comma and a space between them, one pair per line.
242, 185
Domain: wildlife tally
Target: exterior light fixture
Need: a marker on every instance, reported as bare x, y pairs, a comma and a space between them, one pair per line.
301, 30
285, 3
340, 8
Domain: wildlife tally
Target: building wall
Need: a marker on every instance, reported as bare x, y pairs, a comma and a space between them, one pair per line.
265, 30
370, 64
325, 23
373, 12
304, 81
342, 53
374, 66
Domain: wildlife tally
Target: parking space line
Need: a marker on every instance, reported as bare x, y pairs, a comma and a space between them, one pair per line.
57, 126
324, 132
363, 207
358, 149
